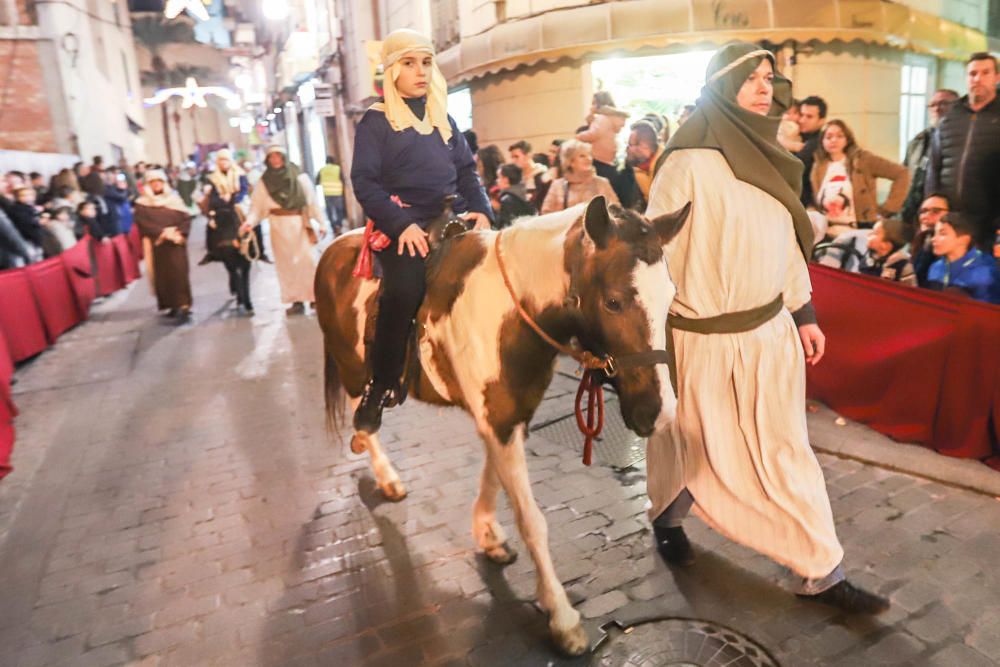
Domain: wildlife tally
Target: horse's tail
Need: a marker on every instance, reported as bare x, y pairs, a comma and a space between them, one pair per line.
333, 390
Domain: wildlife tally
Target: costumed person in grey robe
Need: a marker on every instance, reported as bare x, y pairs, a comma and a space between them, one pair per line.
164, 223
738, 452
285, 196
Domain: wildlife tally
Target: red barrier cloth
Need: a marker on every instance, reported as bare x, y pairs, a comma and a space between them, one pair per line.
126, 258
7, 409
54, 296
20, 318
109, 274
80, 271
916, 365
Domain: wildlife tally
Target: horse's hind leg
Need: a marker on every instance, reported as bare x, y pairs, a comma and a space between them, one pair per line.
512, 470
386, 476
487, 531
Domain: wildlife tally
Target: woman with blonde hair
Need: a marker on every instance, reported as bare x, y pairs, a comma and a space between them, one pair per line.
580, 182
844, 181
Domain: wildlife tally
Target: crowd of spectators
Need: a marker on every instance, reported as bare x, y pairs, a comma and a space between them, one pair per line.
936, 225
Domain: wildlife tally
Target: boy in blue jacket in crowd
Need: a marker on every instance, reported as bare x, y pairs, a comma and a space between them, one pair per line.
961, 267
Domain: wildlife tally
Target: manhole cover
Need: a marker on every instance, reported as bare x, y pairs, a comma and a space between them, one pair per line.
679, 642
617, 446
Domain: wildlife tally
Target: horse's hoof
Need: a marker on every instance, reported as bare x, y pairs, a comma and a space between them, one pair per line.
394, 491
502, 554
358, 445
572, 642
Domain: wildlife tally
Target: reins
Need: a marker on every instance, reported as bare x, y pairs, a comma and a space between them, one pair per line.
591, 383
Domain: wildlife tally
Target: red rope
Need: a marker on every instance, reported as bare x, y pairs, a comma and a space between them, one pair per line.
594, 424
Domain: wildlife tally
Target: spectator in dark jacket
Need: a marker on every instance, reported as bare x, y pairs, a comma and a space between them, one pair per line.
931, 210
24, 215
887, 257
89, 222
918, 152
117, 200
965, 153
514, 200
14, 250
812, 117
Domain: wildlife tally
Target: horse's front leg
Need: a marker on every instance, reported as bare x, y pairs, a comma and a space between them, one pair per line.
386, 476
512, 469
487, 531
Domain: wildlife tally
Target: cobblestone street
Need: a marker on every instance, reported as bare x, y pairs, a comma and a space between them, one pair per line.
176, 500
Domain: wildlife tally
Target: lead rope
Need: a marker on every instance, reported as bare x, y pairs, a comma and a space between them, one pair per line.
592, 365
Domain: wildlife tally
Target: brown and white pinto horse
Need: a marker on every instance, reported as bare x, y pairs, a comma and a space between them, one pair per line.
586, 272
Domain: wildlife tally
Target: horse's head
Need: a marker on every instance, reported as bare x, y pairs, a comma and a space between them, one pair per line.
619, 274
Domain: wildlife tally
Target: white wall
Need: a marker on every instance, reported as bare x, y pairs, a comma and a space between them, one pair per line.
95, 85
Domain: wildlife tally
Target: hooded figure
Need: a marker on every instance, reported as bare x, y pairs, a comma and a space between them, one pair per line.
739, 450
285, 196
227, 188
164, 223
408, 156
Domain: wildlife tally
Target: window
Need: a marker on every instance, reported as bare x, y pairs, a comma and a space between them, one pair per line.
460, 108
914, 94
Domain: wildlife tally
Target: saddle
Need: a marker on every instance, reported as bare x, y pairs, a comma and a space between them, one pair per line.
445, 226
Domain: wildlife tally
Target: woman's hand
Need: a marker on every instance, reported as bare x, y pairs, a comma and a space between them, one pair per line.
813, 343
245, 228
414, 240
482, 222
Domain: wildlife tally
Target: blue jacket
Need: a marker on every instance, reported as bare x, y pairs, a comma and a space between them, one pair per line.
418, 169
974, 273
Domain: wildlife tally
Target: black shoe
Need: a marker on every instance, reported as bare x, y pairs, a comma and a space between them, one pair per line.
297, 308
368, 416
207, 259
844, 595
673, 545
265, 259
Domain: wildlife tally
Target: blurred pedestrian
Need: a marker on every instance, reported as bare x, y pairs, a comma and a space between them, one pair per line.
329, 178
164, 221
580, 182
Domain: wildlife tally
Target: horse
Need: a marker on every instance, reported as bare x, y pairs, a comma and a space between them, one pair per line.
589, 273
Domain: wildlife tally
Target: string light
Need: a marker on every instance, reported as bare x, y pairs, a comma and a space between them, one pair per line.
194, 95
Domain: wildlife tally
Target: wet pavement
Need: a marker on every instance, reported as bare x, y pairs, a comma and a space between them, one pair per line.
176, 500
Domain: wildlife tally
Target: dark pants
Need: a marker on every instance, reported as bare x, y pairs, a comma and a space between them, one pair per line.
258, 231
403, 285
238, 267
335, 211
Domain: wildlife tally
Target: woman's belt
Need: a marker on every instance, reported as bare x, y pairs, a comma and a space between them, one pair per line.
727, 323
285, 211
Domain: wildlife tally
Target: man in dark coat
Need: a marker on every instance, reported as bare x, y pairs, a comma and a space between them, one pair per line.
965, 153
812, 116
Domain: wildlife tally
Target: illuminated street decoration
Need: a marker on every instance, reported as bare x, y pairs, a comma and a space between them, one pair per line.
194, 95
195, 8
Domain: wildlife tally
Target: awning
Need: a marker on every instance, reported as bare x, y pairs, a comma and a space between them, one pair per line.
649, 25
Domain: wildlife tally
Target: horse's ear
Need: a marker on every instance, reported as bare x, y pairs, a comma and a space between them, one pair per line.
669, 224
597, 221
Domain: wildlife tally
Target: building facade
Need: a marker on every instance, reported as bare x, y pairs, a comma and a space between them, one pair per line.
70, 82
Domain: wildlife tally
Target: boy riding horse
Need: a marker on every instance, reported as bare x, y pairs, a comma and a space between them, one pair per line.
409, 155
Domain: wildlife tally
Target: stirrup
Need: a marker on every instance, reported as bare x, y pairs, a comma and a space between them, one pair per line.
368, 416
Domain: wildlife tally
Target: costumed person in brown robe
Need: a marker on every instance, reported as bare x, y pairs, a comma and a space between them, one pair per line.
164, 223
227, 188
743, 331
285, 196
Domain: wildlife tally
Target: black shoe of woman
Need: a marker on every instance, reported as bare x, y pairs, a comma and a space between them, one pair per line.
673, 545
845, 595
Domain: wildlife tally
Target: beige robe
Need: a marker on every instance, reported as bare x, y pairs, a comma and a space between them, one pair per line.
740, 443
293, 252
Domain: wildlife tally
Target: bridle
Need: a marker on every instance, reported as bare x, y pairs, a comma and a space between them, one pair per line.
591, 383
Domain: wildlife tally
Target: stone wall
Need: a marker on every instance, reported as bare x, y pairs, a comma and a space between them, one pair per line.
25, 120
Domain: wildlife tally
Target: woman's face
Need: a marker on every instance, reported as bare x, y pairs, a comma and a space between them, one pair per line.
834, 141
757, 91
582, 162
414, 73
275, 160
223, 163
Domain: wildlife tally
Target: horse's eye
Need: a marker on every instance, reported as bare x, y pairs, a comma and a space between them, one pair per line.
613, 305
